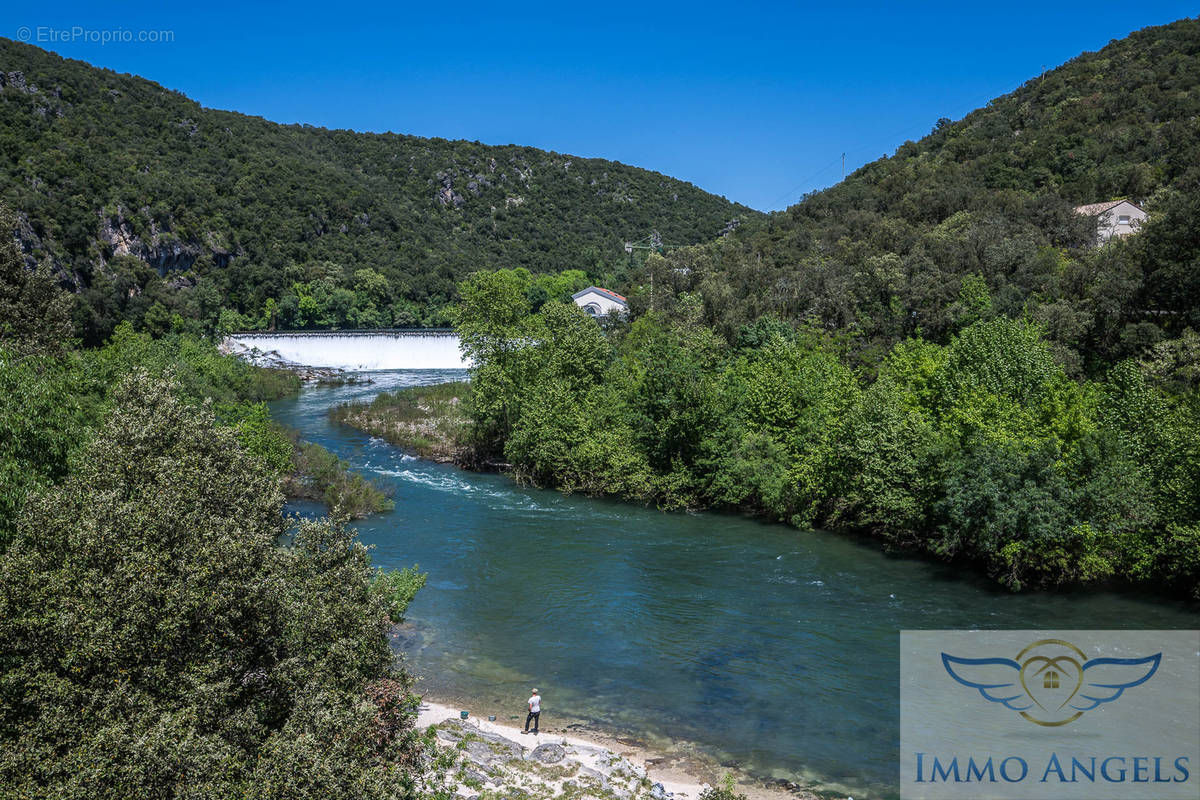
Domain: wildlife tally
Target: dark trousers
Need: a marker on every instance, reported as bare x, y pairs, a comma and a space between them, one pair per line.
534, 716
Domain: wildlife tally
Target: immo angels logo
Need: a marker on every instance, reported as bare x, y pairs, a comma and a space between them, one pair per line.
1051, 682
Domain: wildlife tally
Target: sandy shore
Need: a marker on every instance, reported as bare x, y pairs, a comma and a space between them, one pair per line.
684, 780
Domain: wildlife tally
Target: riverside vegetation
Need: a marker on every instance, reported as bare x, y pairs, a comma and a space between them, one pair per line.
429, 421
982, 448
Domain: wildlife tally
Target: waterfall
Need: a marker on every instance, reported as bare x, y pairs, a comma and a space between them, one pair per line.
353, 350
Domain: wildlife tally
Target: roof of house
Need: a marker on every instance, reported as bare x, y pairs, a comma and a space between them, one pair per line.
604, 292
1096, 209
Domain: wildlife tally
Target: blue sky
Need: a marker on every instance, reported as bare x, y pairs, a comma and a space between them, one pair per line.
754, 101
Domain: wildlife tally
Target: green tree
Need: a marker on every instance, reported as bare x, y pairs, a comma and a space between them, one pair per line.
793, 394
974, 301
1010, 509
671, 373
570, 432
492, 323
885, 465
155, 641
46, 412
262, 438
35, 315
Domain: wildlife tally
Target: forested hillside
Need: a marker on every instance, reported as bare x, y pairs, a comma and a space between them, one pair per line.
167, 214
987, 203
935, 352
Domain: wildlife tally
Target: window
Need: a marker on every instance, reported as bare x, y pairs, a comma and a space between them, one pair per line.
1051, 680
592, 309
1123, 219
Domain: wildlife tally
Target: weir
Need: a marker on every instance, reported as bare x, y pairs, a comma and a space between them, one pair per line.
353, 350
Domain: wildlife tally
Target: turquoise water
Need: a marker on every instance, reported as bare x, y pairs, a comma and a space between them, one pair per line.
768, 647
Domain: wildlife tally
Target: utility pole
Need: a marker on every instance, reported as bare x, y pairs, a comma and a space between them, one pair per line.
843, 166
654, 244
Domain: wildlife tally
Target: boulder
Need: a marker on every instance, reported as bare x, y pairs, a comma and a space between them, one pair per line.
548, 753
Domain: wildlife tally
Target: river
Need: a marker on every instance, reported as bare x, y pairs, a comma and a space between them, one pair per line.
768, 647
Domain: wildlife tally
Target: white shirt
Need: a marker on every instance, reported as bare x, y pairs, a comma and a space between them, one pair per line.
535, 704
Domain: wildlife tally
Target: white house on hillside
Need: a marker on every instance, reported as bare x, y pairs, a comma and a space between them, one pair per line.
599, 302
1116, 218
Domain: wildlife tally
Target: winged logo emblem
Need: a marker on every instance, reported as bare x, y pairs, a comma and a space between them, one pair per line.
1051, 682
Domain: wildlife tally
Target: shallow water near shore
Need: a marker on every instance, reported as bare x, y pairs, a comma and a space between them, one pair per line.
770, 648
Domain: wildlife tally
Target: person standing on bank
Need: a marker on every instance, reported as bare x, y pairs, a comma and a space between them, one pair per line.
535, 712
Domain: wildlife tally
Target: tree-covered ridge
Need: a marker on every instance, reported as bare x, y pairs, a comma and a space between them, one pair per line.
120, 181
887, 253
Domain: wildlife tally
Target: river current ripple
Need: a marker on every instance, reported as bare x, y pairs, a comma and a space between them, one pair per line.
768, 647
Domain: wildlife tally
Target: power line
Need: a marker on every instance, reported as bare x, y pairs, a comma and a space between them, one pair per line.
803, 183
807, 182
